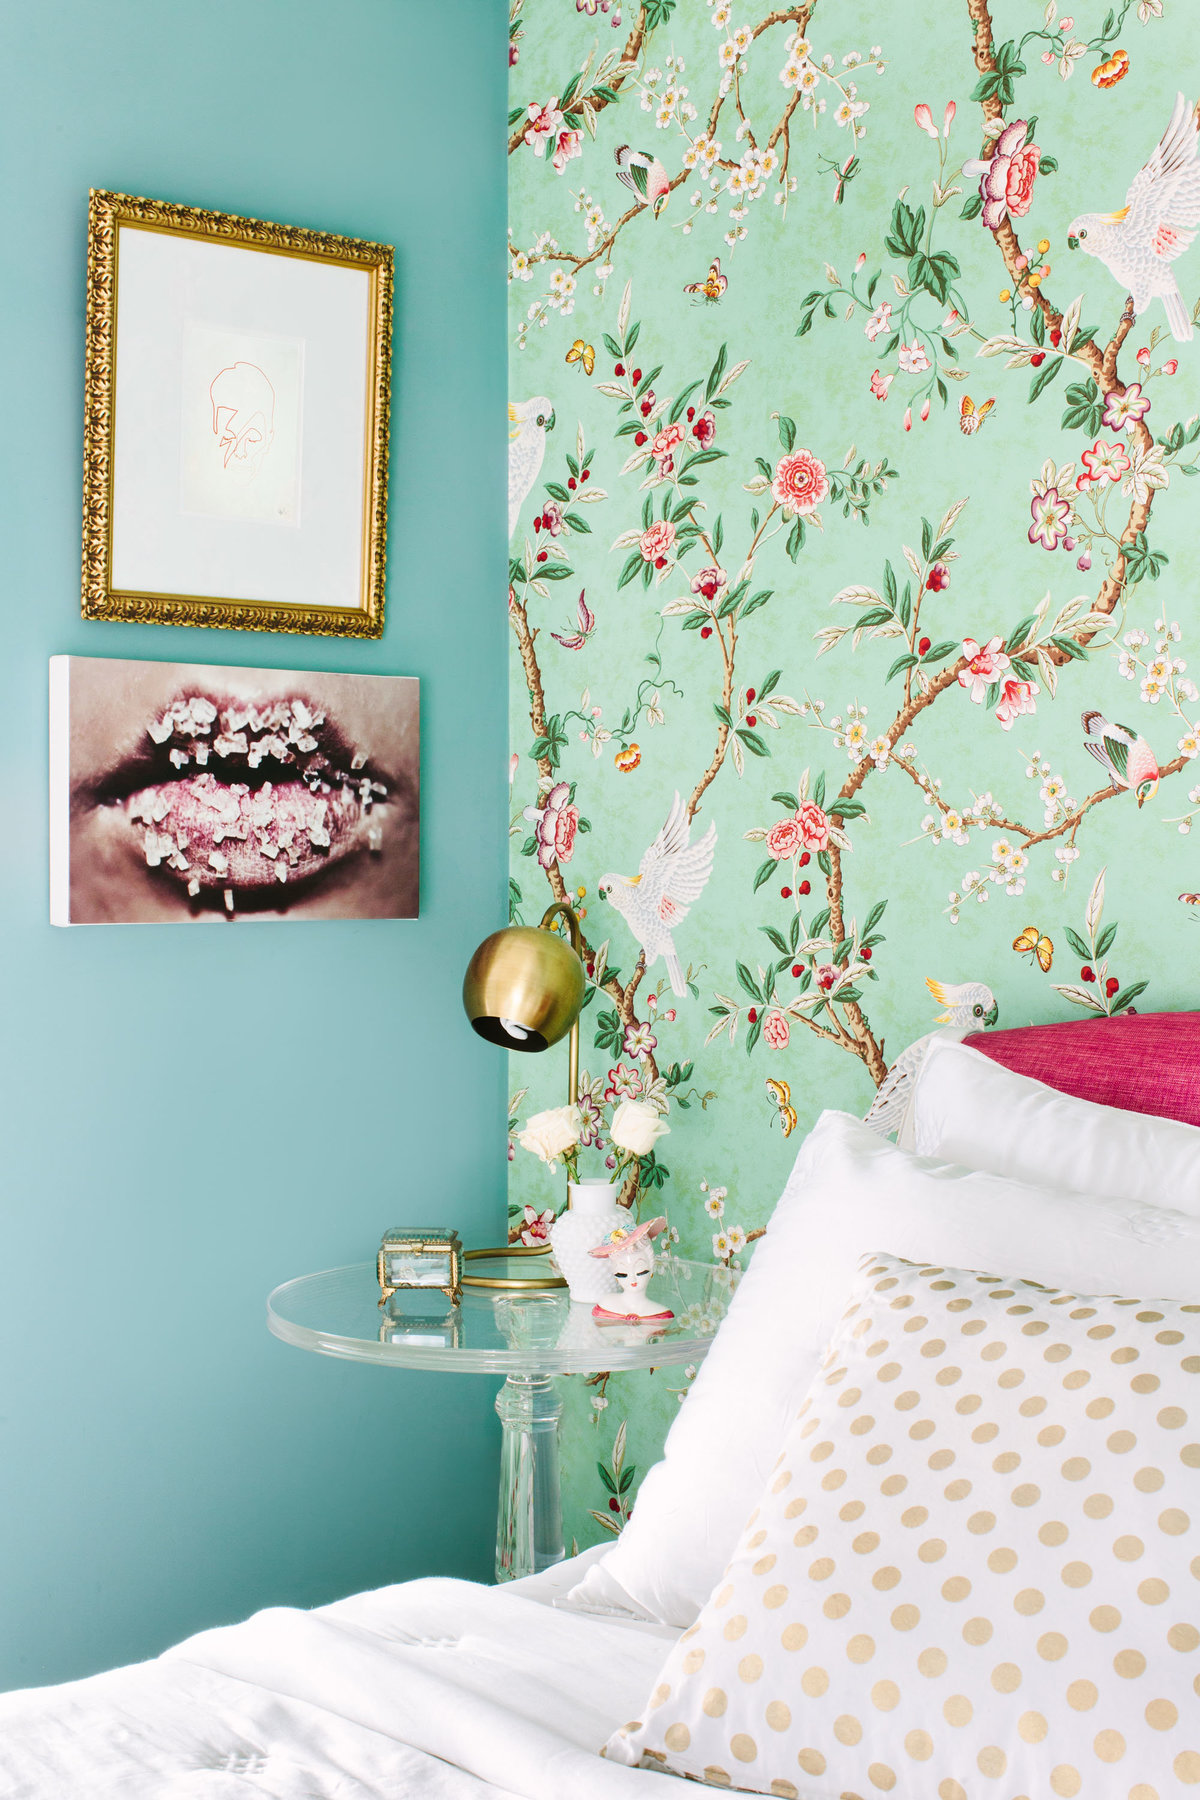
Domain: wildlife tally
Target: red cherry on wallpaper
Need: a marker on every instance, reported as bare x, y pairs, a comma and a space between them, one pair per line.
924, 646
619, 369
1087, 973
785, 893
750, 719
805, 859
865, 953
805, 887
1111, 986
752, 1015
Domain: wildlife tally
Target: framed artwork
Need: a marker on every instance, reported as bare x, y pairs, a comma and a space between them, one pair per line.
235, 422
188, 794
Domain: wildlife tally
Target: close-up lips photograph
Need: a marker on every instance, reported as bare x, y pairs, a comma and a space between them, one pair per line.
186, 793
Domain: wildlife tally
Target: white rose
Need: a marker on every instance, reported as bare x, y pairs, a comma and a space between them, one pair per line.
635, 1127
548, 1134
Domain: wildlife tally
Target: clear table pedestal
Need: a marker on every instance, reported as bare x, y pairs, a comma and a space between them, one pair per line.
529, 1337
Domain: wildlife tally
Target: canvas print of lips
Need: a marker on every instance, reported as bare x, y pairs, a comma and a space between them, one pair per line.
192, 794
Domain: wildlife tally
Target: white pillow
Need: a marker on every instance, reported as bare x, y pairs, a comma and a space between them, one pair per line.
971, 1110
850, 1192
968, 1573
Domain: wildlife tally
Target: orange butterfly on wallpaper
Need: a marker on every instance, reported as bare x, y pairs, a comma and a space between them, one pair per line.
1031, 942
582, 353
713, 285
781, 1094
970, 416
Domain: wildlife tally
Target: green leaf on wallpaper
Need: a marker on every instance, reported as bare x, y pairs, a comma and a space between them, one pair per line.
795, 542
805, 325
757, 600
788, 800
518, 112
718, 535
874, 615
716, 372
906, 604
529, 846
1104, 942
658, 12
787, 432
1019, 633
753, 742
1077, 944
1069, 647
936, 652
1037, 325
576, 521
554, 571
1044, 377
926, 539
874, 916
847, 994
819, 789
901, 663
971, 207
1022, 670
889, 585
824, 863
904, 238
633, 563
748, 982
764, 467
612, 346
676, 411
1047, 165
769, 683
694, 621
854, 808
843, 952
632, 335
610, 1033
724, 715
819, 921
1084, 410
754, 1032
777, 939
1127, 995
570, 91
606, 1478
558, 492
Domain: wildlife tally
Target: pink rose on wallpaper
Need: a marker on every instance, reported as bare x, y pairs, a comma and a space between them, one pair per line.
552, 518
784, 840
1016, 697
664, 445
709, 583
1007, 176
800, 482
656, 540
544, 121
569, 144
556, 824
776, 1030
814, 825
985, 664
705, 429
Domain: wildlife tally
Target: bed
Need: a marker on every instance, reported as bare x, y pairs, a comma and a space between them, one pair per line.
444, 1690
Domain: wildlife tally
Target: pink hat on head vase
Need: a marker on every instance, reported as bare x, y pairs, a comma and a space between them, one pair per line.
620, 1241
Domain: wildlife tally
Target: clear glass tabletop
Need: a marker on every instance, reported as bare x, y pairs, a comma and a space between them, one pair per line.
526, 1332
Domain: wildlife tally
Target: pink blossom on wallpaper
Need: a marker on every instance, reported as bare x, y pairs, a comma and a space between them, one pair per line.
640, 1041
535, 1226
913, 358
813, 821
880, 384
552, 517
544, 122
985, 663
1123, 411
784, 840
800, 482
1051, 516
1016, 697
938, 578
776, 1030
924, 119
1007, 176
663, 446
704, 429
1105, 461
656, 540
568, 145
709, 582
878, 321
555, 825
623, 1084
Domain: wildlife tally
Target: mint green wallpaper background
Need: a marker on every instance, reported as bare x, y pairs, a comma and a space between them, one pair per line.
188, 1117
866, 525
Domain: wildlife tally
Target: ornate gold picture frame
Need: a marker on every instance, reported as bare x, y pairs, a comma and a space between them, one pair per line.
235, 422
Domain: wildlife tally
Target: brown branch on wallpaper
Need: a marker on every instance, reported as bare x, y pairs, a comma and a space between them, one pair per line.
799, 16
630, 54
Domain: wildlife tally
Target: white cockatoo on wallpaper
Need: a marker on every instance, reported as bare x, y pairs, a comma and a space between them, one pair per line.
970, 1006
528, 423
1138, 244
659, 897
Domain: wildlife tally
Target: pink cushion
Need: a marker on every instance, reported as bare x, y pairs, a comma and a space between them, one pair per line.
1141, 1062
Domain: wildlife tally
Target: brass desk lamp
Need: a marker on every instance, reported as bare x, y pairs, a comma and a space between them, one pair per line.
523, 990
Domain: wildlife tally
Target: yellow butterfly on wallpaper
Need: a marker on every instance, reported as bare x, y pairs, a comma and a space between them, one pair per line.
582, 353
781, 1094
1031, 942
713, 285
970, 416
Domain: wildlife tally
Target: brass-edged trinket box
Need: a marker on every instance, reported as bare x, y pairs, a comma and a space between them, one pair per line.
417, 1259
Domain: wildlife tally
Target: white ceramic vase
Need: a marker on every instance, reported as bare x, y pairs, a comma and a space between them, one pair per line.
592, 1214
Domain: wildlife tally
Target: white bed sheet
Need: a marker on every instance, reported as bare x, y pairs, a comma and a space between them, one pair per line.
431, 1690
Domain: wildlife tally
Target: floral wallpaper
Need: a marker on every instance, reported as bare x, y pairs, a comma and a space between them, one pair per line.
853, 426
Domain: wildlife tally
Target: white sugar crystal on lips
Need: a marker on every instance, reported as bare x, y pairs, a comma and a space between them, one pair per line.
375, 837
154, 854
218, 863
358, 760
228, 899
161, 729
318, 837
193, 887
203, 710
231, 744
301, 714
281, 873
180, 758
200, 752
305, 744
268, 849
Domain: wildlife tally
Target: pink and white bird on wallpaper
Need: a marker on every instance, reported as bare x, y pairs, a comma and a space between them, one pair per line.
672, 875
1138, 243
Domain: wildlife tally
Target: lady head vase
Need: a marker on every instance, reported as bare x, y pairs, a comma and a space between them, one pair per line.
630, 1255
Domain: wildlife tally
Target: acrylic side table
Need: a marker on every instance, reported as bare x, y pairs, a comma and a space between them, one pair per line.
529, 1337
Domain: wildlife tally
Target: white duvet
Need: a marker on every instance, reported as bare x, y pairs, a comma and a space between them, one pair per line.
434, 1690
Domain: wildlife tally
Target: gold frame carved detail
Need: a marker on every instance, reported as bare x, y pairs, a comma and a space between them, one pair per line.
100, 600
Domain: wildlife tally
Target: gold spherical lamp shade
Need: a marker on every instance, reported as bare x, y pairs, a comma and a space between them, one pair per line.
523, 988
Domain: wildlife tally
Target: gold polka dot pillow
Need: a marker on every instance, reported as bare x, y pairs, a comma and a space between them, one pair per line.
974, 1570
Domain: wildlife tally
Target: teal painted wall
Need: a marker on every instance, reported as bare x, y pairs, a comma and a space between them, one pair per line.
165, 1464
